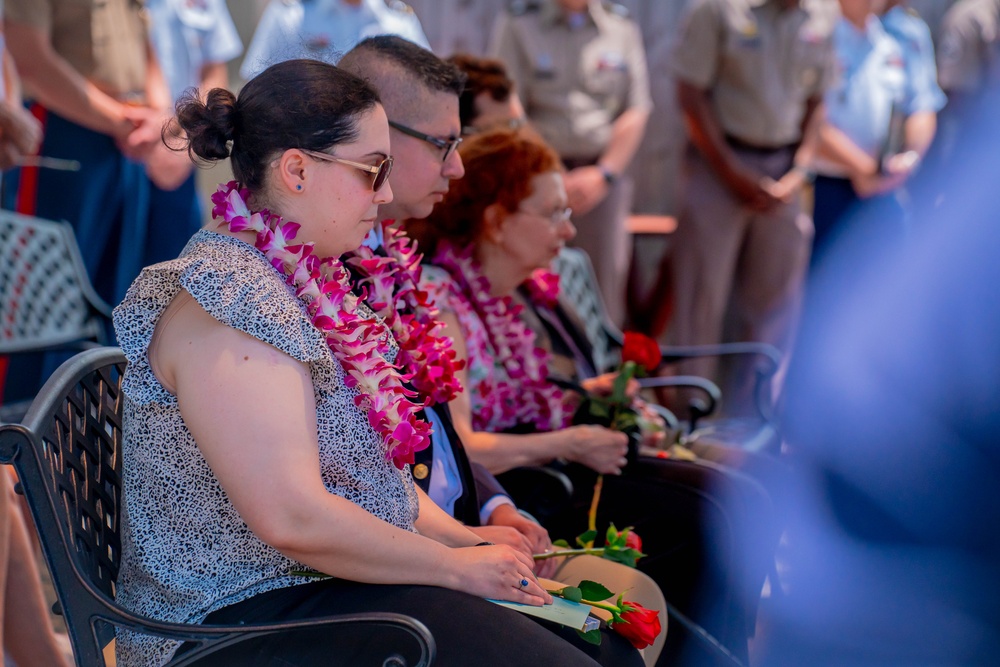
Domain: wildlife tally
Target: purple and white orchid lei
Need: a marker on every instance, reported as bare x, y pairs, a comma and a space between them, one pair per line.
358, 343
393, 292
525, 396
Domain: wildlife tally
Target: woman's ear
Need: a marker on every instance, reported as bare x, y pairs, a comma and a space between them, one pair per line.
494, 221
292, 171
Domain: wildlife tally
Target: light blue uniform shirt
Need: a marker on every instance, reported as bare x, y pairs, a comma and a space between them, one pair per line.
872, 80
914, 37
323, 30
188, 34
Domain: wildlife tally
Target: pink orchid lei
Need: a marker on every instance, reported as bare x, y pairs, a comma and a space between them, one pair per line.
525, 395
358, 343
391, 284
543, 287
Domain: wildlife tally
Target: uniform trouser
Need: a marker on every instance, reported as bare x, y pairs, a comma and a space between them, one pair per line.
731, 262
602, 234
174, 216
107, 203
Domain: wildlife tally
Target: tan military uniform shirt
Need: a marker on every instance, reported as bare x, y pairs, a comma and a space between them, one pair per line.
575, 77
760, 61
969, 53
458, 26
104, 40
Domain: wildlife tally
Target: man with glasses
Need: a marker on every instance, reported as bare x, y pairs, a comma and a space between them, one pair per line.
420, 95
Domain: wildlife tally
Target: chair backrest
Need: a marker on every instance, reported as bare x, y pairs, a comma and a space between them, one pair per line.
46, 299
578, 285
68, 456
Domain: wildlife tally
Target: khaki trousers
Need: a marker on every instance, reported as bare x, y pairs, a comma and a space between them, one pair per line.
738, 273
601, 233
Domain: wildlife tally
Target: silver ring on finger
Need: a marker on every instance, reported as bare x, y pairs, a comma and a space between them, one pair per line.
522, 583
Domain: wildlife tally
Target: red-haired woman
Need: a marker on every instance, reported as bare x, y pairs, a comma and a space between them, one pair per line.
495, 227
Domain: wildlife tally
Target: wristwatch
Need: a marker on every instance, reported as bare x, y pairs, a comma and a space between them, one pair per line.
609, 176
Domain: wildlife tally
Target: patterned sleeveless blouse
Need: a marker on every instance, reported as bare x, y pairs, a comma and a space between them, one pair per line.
185, 550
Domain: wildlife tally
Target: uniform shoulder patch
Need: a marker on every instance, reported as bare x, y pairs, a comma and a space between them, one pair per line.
615, 8
521, 7
399, 6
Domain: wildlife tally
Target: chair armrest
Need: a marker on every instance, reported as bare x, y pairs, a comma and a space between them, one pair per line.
768, 353
541, 491
696, 406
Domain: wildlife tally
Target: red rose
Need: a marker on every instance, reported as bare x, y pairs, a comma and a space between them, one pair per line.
641, 349
633, 541
639, 625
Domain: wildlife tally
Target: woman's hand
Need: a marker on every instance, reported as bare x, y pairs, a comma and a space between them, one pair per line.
598, 448
531, 534
651, 425
496, 572
604, 385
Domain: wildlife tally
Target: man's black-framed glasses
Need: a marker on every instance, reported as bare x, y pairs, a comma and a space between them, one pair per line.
447, 145
380, 170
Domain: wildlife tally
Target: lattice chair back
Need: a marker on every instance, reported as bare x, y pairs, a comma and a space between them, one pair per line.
68, 457
578, 285
46, 299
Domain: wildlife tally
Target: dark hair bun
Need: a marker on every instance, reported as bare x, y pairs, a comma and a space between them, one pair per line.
209, 125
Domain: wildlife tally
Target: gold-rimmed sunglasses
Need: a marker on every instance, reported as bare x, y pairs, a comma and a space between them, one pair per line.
381, 170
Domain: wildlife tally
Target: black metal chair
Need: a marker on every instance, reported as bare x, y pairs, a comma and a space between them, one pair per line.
68, 456
578, 284
46, 299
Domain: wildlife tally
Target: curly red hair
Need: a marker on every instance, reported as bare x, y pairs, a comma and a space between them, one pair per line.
499, 166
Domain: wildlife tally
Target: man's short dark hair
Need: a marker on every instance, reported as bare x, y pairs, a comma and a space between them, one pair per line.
434, 73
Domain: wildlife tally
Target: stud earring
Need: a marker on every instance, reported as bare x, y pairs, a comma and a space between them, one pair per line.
298, 187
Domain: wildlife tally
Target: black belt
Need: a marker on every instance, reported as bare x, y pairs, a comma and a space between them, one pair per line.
577, 162
746, 147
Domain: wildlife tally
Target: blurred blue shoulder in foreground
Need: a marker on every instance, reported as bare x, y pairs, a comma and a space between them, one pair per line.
894, 417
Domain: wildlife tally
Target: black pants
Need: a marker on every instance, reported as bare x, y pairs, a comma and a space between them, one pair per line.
467, 630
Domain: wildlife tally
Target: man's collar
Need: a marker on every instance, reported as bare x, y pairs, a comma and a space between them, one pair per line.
552, 13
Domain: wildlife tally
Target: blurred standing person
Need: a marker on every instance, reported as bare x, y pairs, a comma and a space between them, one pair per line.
26, 634
969, 57
656, 167
932, 12
458, 26
100, 94
325, 30
750, 83
193, 41
880, 120
580, 69
98, 90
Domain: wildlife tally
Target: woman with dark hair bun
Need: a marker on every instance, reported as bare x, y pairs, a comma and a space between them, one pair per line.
266, 430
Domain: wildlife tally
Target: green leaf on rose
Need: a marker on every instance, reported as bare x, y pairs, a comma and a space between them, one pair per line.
599, 408
592, 637
587, 538
572, 593
561, 544
593, 591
